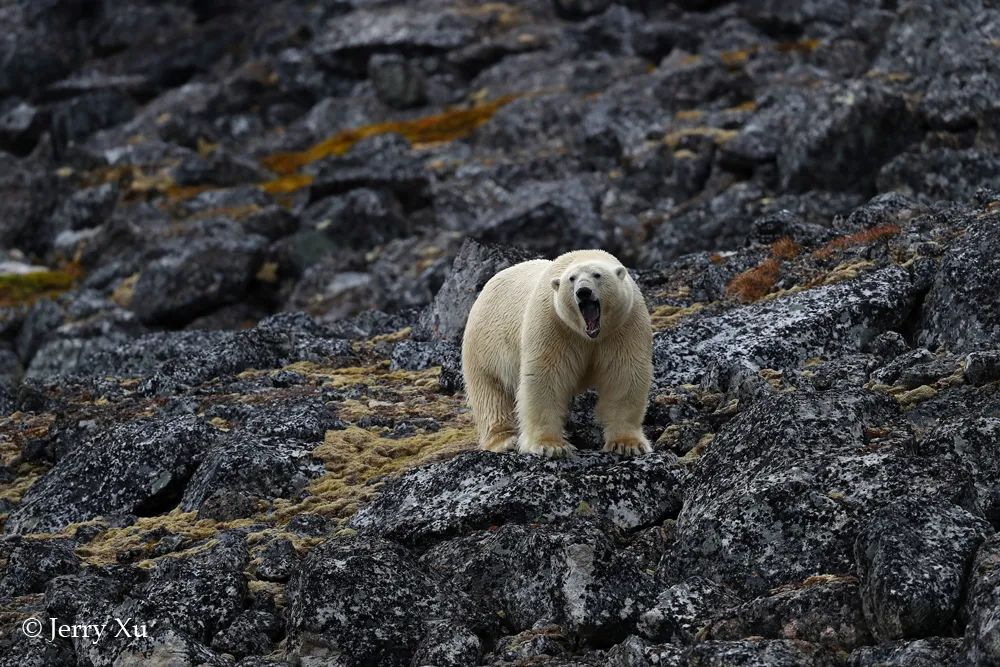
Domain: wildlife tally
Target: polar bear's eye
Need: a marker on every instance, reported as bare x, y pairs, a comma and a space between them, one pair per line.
597, 275
572, 278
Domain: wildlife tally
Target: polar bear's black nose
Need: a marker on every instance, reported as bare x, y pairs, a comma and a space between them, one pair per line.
584, 293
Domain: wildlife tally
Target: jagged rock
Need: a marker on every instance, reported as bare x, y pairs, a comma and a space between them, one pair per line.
26, 200
136, 467
259, 469
86, 208
683, 609
20, 126
475, 264
940, 173
542, 640
478, 489
403, 28
399, 82
912, 558
444, 645
253, 632
970, 441
982, 367
31, 563
198, 595
960, 312
359, 219
546, 217
857, 125
277, 560
932, 652
364, 601
196, 275
825, 611
782, 333
791, 479
770, 652
637, 652
570, 573
382, 161
982, 605
78, 118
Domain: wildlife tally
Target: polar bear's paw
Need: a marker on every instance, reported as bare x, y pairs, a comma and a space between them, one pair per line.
551, 447
629, 444
504, 441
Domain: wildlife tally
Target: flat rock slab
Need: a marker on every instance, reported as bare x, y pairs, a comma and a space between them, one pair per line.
478, 489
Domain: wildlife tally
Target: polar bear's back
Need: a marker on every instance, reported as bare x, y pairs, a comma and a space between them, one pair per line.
492, 341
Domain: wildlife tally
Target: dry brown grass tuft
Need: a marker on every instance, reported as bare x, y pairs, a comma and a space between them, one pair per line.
864, 237
785, 248
755, 283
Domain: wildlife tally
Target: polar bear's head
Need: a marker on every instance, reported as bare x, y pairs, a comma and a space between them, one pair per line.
593, 296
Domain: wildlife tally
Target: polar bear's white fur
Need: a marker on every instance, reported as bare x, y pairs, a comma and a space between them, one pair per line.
535, 338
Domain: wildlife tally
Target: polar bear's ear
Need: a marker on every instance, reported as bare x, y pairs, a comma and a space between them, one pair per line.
620, 272
555, 284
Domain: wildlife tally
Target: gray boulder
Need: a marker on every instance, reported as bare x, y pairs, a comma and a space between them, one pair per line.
912, 558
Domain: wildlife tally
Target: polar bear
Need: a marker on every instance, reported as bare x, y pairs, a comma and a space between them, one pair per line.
542, 331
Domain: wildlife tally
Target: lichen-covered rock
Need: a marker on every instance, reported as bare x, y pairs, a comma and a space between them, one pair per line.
199, 595
785, 486
479, 489
266, 454
784, 332
570, 573
960, 312
931, 652
361, 602
684, 609
982, 367
822, 610
759, 653
982, 606
196, 275
277, 560
137, 467
855, 124
912, 558
637, 652
541, 640
549, 217
475, 264
253, 632
940, 173
971, 441
445, 645
170, 361
31, 563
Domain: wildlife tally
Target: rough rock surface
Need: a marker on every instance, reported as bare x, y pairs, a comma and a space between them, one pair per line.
238, 245
912, 560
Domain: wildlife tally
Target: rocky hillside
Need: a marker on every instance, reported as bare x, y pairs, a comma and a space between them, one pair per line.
239, 242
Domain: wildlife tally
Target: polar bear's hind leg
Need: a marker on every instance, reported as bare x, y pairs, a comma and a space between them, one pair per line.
493, 411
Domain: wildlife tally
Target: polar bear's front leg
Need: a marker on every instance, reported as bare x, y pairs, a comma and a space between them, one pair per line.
543, 397
623, 389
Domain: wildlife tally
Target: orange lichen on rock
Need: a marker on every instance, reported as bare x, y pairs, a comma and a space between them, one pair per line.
864, 237
446, 126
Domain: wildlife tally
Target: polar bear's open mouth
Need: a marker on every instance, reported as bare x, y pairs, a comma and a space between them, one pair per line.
591, 311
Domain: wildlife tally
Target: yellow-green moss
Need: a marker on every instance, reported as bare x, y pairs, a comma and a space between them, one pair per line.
24, 288
667, 317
